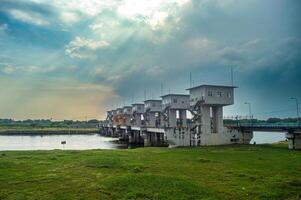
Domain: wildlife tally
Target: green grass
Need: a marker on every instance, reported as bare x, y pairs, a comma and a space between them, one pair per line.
225, 172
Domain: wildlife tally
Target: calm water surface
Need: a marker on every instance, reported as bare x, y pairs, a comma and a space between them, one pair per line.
267, 137
92, 141
49, 142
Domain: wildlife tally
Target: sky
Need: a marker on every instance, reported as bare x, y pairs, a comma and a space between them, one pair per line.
72, 59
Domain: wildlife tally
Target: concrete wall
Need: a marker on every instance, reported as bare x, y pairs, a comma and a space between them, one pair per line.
151, 119
184, 137
175, 101
212, 95
127, 110
178, 136
205, 120
153, 105
138, 108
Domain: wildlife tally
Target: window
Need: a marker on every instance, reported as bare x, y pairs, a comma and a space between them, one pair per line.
210, 93
229, 95
175, 100
219, 94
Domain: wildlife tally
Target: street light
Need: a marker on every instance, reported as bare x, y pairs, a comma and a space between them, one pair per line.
297, 107
250, 112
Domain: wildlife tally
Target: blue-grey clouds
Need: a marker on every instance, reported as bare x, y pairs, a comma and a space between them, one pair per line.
131, 46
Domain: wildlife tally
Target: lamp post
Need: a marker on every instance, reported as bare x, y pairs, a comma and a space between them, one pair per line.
250, 112
297, 107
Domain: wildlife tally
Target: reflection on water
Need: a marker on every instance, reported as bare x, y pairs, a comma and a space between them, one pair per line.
92, 141
267, 137
49, 142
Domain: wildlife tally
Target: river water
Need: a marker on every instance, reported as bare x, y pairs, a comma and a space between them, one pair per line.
92, 141
49, 142
267, 137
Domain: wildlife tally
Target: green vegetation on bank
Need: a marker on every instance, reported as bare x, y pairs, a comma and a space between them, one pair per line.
47, 130
224, 172
43, 126
47, 123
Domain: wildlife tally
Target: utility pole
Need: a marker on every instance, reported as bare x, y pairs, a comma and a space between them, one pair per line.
190, 79
232, 82
297, 108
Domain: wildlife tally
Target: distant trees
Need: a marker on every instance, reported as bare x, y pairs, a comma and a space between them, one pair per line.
273, 120
42, 123
285, 120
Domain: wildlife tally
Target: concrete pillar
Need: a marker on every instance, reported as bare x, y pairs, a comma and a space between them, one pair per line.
172, 118
146, 138
151, 119
154, 139
218, 119
183, 117
294, 140
131, 138
206, 120
138, 119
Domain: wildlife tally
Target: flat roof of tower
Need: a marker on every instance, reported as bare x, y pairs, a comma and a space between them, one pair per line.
222, 86
181, 95
134, 104
157, 100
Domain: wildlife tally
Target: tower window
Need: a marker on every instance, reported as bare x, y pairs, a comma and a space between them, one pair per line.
229, 95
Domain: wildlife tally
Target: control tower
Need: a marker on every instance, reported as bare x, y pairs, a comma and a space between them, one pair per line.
206, 106
137, 113
153, 113
175, 108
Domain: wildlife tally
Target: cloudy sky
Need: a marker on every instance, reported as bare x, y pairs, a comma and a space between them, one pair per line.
67, 59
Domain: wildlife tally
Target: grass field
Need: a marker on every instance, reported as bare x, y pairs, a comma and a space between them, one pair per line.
228, 172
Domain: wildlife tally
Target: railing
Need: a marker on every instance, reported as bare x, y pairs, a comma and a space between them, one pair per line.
264, 125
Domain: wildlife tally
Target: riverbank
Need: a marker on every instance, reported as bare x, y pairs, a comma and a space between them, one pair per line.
223, 172
46, 131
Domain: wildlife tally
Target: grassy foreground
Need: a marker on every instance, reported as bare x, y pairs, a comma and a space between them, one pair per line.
229, 172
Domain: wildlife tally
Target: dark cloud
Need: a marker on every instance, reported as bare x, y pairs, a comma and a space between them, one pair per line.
260, 39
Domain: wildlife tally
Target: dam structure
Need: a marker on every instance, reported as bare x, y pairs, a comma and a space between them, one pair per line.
194, 119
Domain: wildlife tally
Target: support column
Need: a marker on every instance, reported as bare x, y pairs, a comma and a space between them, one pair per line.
206, 121
151, 119
218, 119
154, 139
138, 119
172, 118
183, 117
146, 138
294, 140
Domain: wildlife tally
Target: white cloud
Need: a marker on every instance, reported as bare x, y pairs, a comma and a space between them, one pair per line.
153, 12
76, 47
158, 20
9, 69
69, 17
198, 43
32, 18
